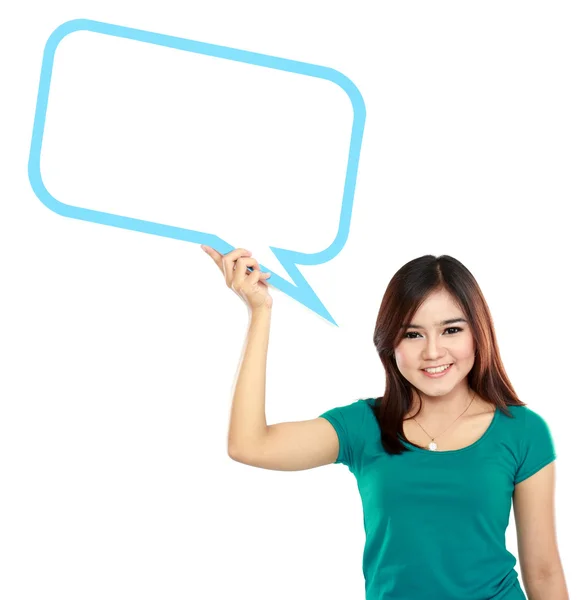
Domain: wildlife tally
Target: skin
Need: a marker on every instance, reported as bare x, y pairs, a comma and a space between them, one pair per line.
445, 398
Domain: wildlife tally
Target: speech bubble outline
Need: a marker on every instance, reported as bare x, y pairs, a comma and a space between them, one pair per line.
301, 291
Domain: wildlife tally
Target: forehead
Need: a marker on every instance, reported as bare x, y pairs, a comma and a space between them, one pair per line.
438, 306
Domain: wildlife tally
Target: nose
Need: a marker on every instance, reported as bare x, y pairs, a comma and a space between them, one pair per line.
433, 348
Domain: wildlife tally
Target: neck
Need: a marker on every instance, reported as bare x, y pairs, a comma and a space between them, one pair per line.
449, 405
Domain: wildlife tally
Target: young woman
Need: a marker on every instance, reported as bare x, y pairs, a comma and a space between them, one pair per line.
439, 459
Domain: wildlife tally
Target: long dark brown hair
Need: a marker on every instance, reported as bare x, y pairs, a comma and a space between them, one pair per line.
406, 291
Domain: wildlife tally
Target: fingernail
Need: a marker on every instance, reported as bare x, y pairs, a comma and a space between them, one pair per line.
204, 248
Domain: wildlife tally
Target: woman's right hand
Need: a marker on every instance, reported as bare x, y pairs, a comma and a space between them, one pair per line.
250, 286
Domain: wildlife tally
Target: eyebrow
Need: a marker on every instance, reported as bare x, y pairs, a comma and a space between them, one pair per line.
446, 322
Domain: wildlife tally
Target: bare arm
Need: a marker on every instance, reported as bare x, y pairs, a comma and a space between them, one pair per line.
285, 446
547, 587
291, 446
248, 426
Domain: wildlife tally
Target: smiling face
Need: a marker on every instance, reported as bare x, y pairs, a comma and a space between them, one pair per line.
434, 339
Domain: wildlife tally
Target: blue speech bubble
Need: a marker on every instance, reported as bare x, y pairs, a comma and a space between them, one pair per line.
301, 291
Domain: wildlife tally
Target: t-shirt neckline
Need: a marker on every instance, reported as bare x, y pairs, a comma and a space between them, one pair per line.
472, 445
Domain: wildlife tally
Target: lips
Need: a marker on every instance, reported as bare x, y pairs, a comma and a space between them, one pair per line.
438, 374
438, 366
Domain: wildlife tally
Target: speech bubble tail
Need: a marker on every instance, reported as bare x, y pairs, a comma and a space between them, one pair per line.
301, 291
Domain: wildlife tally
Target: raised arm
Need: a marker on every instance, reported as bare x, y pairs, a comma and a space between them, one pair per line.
291, 446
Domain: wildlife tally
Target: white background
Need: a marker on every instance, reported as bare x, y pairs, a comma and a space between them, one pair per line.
120, 349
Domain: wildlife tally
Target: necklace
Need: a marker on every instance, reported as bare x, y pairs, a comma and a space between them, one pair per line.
432, 445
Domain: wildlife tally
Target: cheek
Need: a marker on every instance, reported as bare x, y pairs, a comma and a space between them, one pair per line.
466, 350
401, 359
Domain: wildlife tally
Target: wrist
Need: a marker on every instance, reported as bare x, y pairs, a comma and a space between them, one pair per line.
260, 312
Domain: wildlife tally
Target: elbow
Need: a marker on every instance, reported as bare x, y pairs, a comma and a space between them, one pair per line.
234, 454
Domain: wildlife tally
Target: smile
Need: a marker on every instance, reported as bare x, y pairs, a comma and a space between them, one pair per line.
437, 371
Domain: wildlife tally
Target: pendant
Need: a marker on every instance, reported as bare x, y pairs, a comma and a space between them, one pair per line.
432, 446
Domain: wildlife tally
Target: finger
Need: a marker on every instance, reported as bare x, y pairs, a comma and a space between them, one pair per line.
254, 279
216, 256
219, 258
263, 276
211, 251
238, 276
225, 262
229, 260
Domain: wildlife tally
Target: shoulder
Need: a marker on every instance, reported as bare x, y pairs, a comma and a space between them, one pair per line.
351, 424
352, 415
528, 428
517, 414
357, 417
535, 443
527, 417
351, 409
535, 425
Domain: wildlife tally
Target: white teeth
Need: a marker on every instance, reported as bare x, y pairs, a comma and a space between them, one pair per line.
437, 370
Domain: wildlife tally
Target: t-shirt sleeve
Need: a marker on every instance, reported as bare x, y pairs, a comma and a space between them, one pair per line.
536, 445
348, 422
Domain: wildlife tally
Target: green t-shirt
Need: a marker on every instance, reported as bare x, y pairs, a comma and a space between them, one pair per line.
435, 521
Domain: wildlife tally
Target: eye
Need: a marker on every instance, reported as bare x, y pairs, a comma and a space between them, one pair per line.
458, 329
415, 333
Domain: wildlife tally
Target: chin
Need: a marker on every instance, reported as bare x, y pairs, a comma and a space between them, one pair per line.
437, 393
436, 387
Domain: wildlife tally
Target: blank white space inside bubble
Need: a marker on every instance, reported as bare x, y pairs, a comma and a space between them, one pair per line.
255, 155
